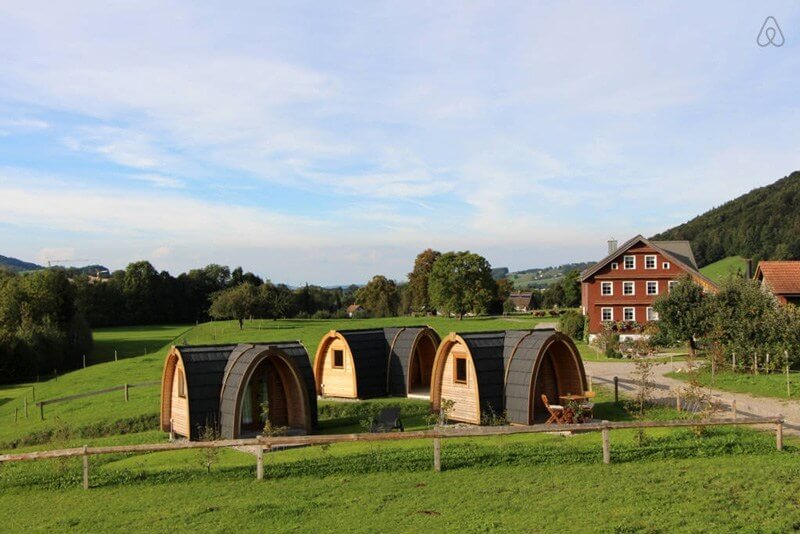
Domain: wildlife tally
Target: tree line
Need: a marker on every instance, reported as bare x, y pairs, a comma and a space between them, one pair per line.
46, 316
740, 322
763, 224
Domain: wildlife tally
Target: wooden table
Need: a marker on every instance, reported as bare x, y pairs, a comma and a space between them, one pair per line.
576, 398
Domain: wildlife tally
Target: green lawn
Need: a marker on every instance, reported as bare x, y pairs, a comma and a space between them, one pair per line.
722, 269
674, 481
763, 385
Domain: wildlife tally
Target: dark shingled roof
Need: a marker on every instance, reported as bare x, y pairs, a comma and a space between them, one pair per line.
487, 350
370, 350
401, 342
519, 374
204, 367
240, 365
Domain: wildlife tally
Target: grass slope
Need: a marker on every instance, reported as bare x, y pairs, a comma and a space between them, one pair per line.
722, 269
553, 483
762, 385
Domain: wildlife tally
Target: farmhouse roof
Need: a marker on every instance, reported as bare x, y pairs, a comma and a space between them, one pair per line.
782, 277
679, 252
521, 298
354, 307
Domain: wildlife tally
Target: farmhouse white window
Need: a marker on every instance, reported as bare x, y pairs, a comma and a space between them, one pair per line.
614, 266
628, 288
606, 314
652, 315
628, 314
650, 262
606, 288
181, 385
629, 262
670, 284
665, 265
652, 288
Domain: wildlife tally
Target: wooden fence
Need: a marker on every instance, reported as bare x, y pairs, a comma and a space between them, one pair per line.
268, 442
124, 388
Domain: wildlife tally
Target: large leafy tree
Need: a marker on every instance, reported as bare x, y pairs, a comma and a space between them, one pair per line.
379, 297
683, 313
418, 279
745, 318
461, 282
239, 302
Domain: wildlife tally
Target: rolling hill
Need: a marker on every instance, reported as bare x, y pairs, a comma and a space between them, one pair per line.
761, 224
13, 264
542, 277
730, 266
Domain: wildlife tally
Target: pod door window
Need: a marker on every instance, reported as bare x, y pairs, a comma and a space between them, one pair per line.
460, 369
338, 359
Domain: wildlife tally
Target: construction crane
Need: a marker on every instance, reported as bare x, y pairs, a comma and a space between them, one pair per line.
51, 262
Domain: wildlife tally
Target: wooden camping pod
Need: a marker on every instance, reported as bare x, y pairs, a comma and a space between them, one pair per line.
362, 364
410, 364
505, 373
278, 374
190, 387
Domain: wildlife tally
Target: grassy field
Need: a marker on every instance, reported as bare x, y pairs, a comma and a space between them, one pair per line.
719, 270
674, 480
763, 385
552, 483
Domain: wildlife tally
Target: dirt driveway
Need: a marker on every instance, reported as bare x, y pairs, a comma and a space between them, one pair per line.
603, 373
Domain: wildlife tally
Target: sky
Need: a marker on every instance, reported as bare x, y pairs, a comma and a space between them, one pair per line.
328, 142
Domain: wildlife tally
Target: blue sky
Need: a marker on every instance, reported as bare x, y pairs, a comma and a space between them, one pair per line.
330, 141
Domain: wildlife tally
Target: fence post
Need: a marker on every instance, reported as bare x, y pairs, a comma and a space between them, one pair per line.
171, 430
16, 414
779, 433
85, 467
606, 444
41, 411
115, 354
616, 389
125, 387
788, 387
25, 404
33, 393
437, 454
84, 361
260, 462
591, 387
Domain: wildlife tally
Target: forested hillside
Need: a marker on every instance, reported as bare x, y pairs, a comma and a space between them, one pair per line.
762, 224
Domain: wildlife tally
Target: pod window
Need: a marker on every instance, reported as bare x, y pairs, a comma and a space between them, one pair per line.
338, 359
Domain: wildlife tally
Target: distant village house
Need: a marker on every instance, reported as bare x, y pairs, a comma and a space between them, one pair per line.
522, 301
354, 309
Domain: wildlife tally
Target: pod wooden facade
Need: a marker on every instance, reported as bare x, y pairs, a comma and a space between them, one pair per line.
496, 373
363, 364
225, 387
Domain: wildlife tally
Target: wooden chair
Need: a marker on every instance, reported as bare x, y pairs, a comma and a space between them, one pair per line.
388, 419
589, 405
556, 412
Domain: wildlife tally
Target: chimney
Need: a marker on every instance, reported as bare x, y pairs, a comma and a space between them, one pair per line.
612, 246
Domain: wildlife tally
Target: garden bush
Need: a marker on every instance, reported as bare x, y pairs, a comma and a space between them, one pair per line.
571, 324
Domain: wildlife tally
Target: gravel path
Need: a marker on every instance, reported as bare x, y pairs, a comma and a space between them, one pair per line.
664, 391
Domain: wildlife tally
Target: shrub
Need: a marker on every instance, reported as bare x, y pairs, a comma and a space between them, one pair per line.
571, 324
321, 314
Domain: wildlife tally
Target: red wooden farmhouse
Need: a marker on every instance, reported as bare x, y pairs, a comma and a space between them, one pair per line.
623, 286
